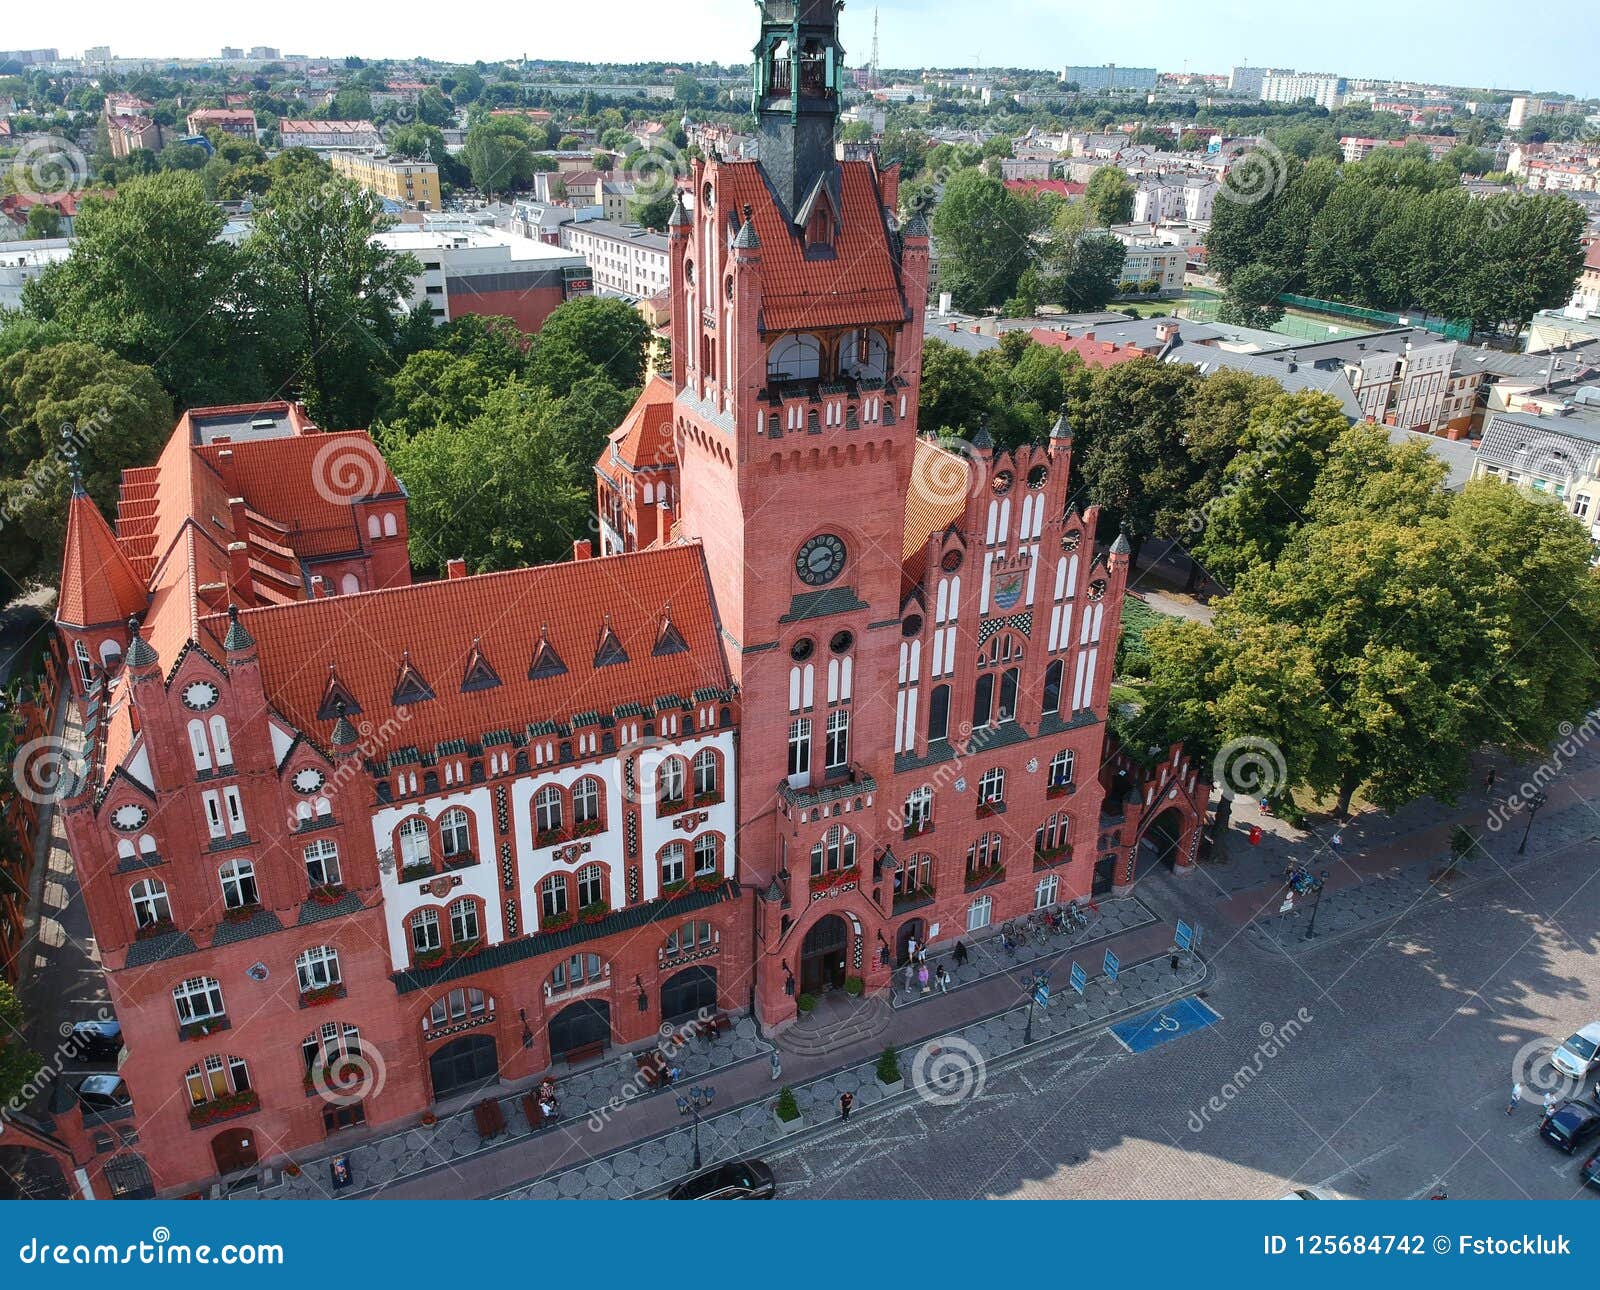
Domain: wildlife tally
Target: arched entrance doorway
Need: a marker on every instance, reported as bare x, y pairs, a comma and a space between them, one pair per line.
579, 1024
128, 1177
913, 929
822, 955
1158, 845
463, 1063
686, 993
234, 1150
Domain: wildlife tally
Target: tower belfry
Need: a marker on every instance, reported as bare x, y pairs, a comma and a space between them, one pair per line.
799, 72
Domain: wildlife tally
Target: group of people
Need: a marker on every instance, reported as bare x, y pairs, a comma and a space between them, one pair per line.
918, 975
547, 1098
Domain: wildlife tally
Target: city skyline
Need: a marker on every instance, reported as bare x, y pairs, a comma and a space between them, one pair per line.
1007, 33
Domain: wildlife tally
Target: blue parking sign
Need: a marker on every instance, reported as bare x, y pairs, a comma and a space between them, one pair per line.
1184, 937
1112, 965
1080, 978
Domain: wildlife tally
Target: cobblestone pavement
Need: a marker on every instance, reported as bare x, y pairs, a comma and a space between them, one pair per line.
1375, 1064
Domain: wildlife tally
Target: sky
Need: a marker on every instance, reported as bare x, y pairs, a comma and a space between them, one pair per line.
1465, 42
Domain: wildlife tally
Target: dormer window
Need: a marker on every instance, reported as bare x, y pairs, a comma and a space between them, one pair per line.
820, 228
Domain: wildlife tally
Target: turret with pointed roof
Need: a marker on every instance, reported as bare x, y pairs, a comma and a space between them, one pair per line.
98, 582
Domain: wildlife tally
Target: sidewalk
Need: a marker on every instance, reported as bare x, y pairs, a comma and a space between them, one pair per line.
641, 1143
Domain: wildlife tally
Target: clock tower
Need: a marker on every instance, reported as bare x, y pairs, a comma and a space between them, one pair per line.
798, 306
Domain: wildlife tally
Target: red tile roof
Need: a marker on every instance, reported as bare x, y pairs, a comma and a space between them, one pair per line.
438, 625
644, 440
860, 284
1096, 353
98, 583
1592, 259
1061, 187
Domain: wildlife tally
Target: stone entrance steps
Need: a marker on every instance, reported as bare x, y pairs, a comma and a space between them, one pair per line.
835, 1024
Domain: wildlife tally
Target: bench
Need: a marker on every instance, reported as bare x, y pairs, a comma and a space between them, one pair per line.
652, 1068
718, 1023
490, 1119
583, 1052
537, 1119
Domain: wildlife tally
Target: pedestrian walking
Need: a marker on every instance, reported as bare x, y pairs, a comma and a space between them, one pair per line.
922, 977
911, 947
1488, 780
846, 1101
777, 1065
911, 975
1549, 1105
943, 978
1516, 1096
960, 955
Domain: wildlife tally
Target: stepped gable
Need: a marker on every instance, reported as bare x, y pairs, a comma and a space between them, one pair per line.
443, 623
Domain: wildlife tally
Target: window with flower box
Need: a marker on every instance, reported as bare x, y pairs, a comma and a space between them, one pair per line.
707, 856
707, 777
1061, 769
913, 882
670, 780
219, 1088
553, 902
318, 969
416, 853
455, 836
322, 864
984, 859
466, 926
918, 812
833, 857
425, 935
1050, 842
327, 1046
591, 886
991, 791
586, 806
198, 1000
672, 856
239, 892
548, 817
152, 910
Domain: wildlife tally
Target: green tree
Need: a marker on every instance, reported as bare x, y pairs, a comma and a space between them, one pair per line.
151, 280
985, 240
62, 404
327, 294
652, 212
496, 490
1109, 197
497, 156
1252, 297
18, 1064
954, 395
588, 335
431, 388
43, 221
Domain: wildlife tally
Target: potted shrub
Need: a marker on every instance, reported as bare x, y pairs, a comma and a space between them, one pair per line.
987, 809
466, 949
708, 799
429, 958
669, 806
586, 828
671, 889
916, 829
416, 872
321, 995
806, 1002
556, 922
889, 1073
243, 914
291, 1170
547, 837
594, 913
429, 1119
162, 928
708, 881
854, 986
786, 1112
328, 894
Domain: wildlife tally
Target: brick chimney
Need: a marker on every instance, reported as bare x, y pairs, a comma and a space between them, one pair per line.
225, 468
455, 567
582, 550
239, 573
238, 521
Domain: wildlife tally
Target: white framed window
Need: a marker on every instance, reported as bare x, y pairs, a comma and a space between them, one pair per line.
328, 1043
413, 833
586, 800
553, 895
425, 931
455, 832
580, 969
800, 747
212, 803
150, 903
591, 885
220, 744
919, 808
1061, 768
547, 809
1581, 504
465, 924
707, 854
992, 786
234, 807
456, 1005
1044, 892
317, 968
979, 913
239, 884
836, 850
705, 773
216, 1077
838, 744
984, 853
670, 780
322, 864
671, 863
198, 999
198, 747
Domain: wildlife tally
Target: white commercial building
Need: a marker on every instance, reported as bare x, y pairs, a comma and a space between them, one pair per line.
1325, 90
21, 262
626, 260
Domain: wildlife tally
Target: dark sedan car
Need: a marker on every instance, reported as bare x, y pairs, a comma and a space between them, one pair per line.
96, 1041
1571, 1125
735, 1180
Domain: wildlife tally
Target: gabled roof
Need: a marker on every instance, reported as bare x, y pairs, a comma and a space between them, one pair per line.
98, 583
366, 637
858, 284
644, 439
936, 497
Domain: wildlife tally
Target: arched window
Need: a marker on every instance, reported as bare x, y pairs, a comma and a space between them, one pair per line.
199, 748
669, 784
865, 355
328, 1043
707, 779
147, 845
586, 802
425, 936
219, 742
1052, 687
992, 787
239, 884
672, 864
1008, 694
125, 849
414, 849
691, 935
1061, 767
983, 700
915, 877
1051, 839
579, 970
707, 855
939, 713
983, 855
591, 885
110, 655
151, 908
456, 1006
836, 850
85, 663
216, 1078
349, 585
547, 815
918, 812
390, 529
197, 999
317, 969
374, 526
553, 895
465, 923
455, 833
795, 358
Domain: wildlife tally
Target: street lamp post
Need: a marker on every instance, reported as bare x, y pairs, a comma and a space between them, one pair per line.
1321, 882
1032, 987
691, 1106
1534, 803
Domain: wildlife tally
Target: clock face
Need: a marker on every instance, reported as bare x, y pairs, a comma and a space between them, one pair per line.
820, 560
130, 817
1071, 539
199, 695
308, 780
1097, 589
1001, 483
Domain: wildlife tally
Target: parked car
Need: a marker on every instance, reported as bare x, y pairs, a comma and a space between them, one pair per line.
1580, 1054
104, 1093
96, 1041
1590, 1172
1571, 1125
735, 1180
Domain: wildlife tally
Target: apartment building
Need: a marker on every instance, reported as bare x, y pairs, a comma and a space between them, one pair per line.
1325, 90
626, 260
414, 184
238, 122
326, 135
469, 269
